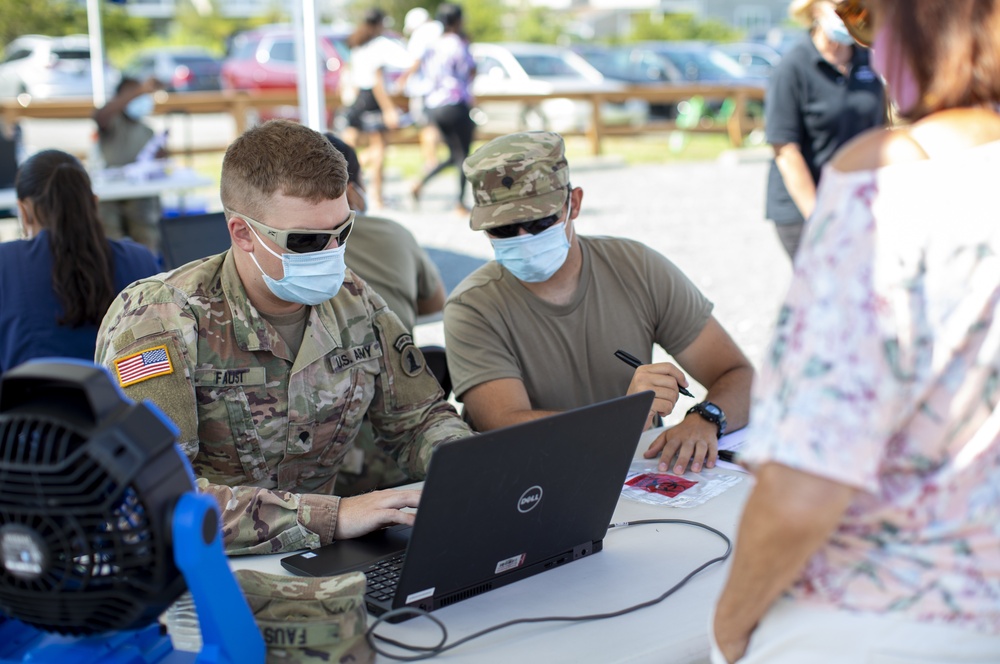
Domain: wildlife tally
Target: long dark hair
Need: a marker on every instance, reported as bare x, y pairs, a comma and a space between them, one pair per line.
63, 204
953, 48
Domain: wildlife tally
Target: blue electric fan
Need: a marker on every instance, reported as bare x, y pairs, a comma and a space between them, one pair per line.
101, 529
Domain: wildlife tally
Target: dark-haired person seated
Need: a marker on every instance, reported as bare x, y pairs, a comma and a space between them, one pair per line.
57, 284
536, 330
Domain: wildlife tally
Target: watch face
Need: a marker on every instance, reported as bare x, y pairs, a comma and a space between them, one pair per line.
712, 409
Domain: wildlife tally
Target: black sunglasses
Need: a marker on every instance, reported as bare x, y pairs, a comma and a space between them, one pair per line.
303, 241
533, 227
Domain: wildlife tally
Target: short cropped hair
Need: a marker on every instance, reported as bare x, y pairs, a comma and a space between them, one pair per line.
952, 47
280, 156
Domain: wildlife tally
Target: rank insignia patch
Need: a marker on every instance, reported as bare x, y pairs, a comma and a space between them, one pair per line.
143, 365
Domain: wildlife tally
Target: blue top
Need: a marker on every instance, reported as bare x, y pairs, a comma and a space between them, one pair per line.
29, 308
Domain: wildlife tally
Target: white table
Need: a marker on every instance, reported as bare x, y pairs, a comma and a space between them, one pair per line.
113, 190
638, 563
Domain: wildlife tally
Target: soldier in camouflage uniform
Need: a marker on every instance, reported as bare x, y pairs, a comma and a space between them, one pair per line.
535, 331
268, 362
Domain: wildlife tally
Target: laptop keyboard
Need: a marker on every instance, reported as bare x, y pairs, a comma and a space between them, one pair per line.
383, 577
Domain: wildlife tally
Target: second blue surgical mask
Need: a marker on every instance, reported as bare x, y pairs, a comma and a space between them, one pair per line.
534, 258
140, 107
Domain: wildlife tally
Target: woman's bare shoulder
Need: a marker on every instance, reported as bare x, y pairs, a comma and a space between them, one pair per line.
878, 148
939, 134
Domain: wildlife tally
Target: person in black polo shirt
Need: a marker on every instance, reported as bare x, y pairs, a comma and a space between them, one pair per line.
822, 94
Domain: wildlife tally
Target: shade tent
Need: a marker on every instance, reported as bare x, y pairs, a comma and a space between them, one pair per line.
312, 101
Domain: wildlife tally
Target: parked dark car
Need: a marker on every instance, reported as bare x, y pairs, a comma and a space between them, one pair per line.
179, 69
650, 63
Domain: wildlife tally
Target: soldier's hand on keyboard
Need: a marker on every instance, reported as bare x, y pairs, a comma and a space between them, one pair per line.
362, 514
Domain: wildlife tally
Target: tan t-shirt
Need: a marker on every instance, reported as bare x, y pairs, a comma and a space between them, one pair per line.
629, 298
387, 256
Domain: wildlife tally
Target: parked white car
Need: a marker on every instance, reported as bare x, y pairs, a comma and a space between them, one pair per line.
517, 69
47, 67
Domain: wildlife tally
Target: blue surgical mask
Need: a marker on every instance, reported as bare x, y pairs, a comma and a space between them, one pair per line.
835, 30
534, 258
311, 278
140, 107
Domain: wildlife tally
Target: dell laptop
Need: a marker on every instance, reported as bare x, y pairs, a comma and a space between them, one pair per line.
497, 508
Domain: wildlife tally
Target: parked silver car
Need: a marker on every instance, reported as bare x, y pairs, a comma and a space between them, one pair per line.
47, 67
519, 69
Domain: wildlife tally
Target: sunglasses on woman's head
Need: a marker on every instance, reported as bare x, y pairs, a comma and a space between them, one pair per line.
857, 19
301, 240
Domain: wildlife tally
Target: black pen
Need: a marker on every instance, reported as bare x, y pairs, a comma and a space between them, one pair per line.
727, 455
635, 363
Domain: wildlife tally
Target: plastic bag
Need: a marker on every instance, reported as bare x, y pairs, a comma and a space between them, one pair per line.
648, 485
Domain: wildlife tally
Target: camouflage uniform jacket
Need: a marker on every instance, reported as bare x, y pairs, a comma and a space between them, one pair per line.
266, 432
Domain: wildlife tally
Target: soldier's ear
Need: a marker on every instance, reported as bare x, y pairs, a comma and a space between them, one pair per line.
240, 233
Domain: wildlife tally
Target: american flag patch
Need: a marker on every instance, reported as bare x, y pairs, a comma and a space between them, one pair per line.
143, 365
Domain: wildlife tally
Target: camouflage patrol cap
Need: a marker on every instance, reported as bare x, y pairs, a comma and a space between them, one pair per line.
518, 177
309, 620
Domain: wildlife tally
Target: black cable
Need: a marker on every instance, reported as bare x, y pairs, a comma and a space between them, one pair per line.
426, 652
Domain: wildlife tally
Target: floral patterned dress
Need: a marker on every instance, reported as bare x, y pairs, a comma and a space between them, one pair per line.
884, 375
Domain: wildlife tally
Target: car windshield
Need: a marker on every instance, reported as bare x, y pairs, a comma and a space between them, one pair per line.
704, 64
71, 54
541, 65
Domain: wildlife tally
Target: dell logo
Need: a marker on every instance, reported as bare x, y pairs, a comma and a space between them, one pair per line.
529, 499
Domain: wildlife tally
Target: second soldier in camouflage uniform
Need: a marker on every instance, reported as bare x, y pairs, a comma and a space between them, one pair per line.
268, 393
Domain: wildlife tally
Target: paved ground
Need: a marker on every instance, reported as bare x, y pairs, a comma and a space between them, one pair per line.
706, 217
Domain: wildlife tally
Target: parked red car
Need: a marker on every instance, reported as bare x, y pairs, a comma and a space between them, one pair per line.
264, 59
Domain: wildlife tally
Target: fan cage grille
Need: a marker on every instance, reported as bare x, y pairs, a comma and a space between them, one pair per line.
105, 555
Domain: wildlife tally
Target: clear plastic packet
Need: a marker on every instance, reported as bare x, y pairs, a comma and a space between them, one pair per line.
645, 484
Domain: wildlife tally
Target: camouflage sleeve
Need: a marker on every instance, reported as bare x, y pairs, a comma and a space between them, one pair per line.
148, 342
258, 521
409, 410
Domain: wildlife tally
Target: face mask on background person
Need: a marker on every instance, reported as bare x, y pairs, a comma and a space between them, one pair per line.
310, 278
888, 61
140, 107
835, 30
534, 258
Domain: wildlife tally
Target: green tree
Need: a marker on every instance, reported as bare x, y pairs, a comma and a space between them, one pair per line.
539, 25
675, 27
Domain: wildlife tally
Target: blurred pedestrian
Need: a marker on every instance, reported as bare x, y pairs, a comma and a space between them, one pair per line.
57, 284
373, 111
422, 33
122, 135
821, 95
450, 69
871, 533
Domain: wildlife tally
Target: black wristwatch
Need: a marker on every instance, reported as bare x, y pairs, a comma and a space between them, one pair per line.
712, 413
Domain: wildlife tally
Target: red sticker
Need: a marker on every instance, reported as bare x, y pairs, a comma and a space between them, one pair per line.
667, 485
